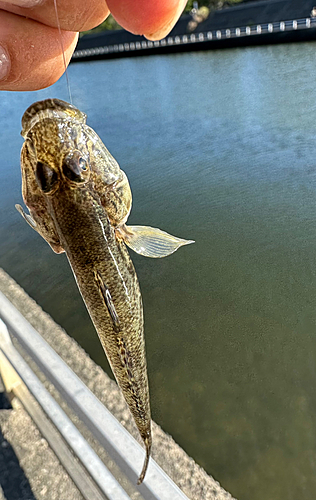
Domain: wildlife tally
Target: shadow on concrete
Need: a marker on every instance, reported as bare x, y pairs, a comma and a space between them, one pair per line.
13, 481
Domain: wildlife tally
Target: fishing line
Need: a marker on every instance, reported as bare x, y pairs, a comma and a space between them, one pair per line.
62, 48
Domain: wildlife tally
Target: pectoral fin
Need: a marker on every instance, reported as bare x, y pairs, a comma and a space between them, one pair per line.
150, 241
26, 217
47, 232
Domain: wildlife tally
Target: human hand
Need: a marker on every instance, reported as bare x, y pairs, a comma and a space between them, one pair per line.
30, 49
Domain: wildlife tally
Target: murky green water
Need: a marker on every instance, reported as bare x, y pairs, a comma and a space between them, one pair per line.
219, 147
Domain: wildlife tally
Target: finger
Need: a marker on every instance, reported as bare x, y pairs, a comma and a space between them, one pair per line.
30, 53
152, 18
74, 15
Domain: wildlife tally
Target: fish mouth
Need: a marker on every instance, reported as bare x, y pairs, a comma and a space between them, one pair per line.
49, 108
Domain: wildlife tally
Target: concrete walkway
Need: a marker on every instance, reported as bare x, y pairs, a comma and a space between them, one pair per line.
29, 470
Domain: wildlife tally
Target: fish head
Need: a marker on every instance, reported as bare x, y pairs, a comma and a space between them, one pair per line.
61, 153
53, 161
53, 152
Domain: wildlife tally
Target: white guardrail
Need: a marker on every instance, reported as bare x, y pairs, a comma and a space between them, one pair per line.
91, 476
200, 37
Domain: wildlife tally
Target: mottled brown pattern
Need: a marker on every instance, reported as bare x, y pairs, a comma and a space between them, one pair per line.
79, 218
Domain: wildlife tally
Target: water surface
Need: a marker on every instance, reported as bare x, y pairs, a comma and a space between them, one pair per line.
219, 147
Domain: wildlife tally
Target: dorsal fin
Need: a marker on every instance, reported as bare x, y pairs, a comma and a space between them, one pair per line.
108, 301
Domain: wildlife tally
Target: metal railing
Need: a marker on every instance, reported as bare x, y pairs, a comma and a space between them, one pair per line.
120, 445
201, 37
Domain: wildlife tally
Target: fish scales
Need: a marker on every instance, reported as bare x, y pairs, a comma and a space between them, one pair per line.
79, 201
91, 247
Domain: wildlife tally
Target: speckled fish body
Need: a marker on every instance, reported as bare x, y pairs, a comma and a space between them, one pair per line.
109, 286
79, 200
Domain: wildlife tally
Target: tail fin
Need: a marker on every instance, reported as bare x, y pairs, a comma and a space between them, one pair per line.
147, 442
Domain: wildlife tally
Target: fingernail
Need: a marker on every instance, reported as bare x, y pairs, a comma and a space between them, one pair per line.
4, 63
167, 24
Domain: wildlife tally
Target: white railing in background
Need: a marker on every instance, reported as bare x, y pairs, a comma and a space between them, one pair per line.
202, 37
120, 445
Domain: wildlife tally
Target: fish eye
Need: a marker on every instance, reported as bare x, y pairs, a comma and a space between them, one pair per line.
45, 176
83, 164
75, 167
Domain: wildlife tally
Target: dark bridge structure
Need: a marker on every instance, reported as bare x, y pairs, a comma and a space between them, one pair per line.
253, 22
